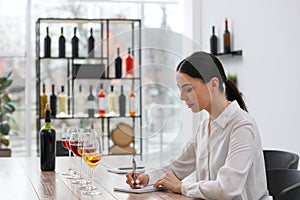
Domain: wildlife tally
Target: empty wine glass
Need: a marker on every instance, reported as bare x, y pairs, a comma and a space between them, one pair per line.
65, 137
92, 155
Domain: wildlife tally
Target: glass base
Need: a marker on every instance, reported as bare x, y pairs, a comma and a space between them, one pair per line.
70, 172
91, 193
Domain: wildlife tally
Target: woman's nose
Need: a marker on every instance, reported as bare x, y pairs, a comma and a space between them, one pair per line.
182, 97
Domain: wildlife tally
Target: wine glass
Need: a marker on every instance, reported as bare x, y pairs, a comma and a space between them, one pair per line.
65, 137
76, 141
92, 155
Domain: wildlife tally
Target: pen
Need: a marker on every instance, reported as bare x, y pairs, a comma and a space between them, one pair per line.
133, 172
130, 168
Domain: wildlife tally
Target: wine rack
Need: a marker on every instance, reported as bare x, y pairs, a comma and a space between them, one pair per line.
97, 68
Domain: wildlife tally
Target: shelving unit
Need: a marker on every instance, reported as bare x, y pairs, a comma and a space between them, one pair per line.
104, 55
232, 53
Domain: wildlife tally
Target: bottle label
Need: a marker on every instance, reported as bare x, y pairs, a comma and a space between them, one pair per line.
101, 103
112, 103
132, 104
91, 104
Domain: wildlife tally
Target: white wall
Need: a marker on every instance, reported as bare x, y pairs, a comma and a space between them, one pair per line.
269, 71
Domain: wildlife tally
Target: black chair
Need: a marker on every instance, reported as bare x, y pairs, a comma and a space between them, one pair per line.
280, 179
291, 193
275, 159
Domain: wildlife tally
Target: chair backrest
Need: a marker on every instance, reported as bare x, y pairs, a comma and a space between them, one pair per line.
275, 159
291, 193
280, 179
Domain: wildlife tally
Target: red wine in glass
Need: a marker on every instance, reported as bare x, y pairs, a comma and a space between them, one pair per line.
65, 144
74, 147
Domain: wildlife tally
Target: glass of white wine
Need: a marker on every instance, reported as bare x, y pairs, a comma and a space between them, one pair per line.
92, 155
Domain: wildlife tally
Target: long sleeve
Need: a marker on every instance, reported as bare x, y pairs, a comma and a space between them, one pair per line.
228, 160
182, 166
231, 177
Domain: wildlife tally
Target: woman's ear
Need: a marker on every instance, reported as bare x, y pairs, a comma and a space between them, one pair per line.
214, 82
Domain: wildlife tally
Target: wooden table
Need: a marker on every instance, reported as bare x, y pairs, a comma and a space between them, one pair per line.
21, 178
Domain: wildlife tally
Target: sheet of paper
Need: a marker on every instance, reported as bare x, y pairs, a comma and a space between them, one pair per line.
146, 189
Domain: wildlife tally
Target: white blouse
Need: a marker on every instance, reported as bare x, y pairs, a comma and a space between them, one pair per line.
229, 162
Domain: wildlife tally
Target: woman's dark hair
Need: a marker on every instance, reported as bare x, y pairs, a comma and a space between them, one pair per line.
205, 66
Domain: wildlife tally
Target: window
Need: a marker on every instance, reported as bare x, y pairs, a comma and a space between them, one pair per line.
160, 95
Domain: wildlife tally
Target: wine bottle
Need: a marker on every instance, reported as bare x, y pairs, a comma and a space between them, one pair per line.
91, 103
122, 103
213, 42
43, 101
79, 102
62, 101
53, 100
132, 102
118, 65
47, 45
101, 101
75, 43
91, 45
47, 143
112, 101
129, 65
226, 37
61, 44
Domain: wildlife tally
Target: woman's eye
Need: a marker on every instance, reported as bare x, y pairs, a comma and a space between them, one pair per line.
189, 89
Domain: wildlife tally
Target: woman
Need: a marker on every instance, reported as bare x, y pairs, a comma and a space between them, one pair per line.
226, 150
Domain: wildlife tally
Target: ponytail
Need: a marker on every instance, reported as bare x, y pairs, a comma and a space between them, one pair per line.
205, 66
232, 93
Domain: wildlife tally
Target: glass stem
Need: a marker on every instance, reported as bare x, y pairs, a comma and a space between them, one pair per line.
80, 175
92, 177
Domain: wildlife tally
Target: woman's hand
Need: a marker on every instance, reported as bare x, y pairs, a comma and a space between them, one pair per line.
170, 181
141, 180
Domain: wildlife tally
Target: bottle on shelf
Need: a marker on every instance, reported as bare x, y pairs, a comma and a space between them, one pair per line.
122, 103
118, 64
101, 101
91, 103
75, 44
112, 101
129, 65
213, 42
81, 124
53, 100
132, 111
226, 38
47, 143
62, 102
47, 44
91, 45
61, 44
79, 102
43, 101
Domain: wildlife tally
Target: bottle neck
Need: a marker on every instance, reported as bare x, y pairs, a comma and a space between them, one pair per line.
226, 25
47, 117
91, 90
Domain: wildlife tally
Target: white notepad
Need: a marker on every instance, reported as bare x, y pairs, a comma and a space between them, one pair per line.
148, 188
